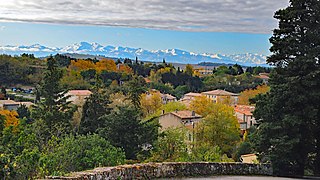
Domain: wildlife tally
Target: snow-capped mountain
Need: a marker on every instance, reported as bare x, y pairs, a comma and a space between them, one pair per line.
171, 55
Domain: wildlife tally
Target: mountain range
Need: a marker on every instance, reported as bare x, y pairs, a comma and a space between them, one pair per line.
170, 55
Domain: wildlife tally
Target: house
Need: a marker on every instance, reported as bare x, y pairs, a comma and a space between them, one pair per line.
187, 98
203, 72
222, 96
264, 77
178, 119
13, 105
166, 98
244, 116
9, 105
78, 97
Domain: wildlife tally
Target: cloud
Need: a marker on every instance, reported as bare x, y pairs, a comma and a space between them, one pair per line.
249, 16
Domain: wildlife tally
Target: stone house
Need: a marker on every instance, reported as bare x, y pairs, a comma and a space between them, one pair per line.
180, 119
222, 96
245, 116
78, 97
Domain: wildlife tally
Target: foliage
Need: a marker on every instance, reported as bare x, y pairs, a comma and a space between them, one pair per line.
10, 118
150, 102
124, 128
170, 146
94, 107
77, 153
167, 108
205, 152
135, 88
219, 127
19, 70
55, 110
232, 83
289, 115
248, 94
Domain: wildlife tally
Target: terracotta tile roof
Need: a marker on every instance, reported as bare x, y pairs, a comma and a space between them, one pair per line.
147, 80
80, 92
186, 114
220, 92
244, 109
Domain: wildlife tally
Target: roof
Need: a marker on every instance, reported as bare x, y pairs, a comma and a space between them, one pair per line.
220, 92
168, 96
186, 114
80, 92
8, 102
244, 109
27, 104
193, 94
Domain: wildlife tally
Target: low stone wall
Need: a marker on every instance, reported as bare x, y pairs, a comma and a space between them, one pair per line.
167, 170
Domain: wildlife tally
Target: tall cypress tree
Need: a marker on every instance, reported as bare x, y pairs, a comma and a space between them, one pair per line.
289, 133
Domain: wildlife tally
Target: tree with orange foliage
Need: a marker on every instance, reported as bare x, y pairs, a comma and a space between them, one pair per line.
251, 93
11, 118
80, 65
124, 68
106, 64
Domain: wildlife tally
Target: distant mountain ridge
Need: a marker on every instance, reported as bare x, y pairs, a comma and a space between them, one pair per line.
170, 55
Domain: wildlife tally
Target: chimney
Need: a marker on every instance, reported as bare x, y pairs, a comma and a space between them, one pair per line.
162, 111
193, 113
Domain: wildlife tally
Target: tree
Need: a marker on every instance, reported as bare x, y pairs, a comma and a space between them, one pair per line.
219, 128
135, 88
290, 114
171, 146
248, 94
78, 153
54, 110
150, 102
124, 128
189, 69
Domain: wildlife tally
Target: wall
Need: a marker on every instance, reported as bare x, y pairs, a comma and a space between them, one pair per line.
167, 170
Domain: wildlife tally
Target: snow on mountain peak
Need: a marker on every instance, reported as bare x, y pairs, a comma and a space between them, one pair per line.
171, 55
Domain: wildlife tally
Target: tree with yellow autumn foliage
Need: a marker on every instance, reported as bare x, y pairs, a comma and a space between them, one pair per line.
11, 118
219, 126
251, 93
150, 102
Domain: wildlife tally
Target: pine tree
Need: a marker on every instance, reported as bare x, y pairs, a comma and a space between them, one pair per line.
289, 134
54, 110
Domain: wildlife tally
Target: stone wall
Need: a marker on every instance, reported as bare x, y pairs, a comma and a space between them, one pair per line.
167, 170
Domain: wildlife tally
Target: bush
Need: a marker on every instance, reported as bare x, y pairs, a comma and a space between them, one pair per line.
77, 153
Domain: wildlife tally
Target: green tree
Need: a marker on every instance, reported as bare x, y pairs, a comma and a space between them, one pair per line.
55, 110
124, 128
290, 113
189, 69
77, 153
171, 146
135, 88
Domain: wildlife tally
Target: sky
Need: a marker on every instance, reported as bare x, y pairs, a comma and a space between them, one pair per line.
212, 26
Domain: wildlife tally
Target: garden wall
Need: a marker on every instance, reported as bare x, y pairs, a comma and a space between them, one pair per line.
167, 170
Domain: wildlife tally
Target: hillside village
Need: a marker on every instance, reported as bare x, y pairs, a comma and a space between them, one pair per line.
140, 109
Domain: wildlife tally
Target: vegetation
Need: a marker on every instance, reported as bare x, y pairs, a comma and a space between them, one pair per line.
288, 135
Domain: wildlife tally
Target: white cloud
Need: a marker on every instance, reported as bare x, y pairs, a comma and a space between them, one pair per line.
251, 16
